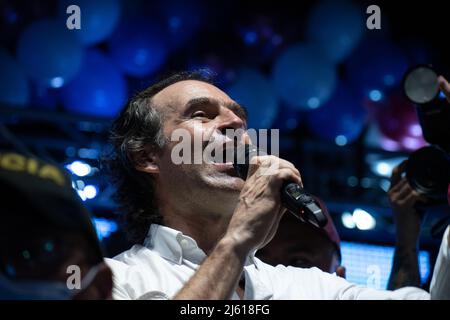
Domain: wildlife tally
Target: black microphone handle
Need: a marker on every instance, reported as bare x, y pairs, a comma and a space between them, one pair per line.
302, 204
293, 197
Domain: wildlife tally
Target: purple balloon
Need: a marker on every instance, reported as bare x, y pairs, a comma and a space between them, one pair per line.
398, 123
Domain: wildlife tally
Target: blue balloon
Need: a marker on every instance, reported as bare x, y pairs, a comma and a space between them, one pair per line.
341, 119
337, 27
139, 47
303, 77
255, 92
375, 66
98, 90
14, 88
50, 53
98, 18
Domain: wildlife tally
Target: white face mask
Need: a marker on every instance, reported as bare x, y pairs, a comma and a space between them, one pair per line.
42, 290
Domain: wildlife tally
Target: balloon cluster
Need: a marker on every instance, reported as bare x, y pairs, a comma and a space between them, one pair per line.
329, 79
65, 68
50, 54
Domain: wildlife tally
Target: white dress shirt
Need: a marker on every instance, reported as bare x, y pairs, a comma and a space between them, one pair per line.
159, 269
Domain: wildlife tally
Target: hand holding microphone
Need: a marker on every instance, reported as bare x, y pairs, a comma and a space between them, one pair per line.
293, 197
265, 197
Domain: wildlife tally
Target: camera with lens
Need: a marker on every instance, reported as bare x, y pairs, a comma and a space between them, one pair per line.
428, 169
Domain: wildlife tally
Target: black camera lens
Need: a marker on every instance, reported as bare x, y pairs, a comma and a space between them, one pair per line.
428, 172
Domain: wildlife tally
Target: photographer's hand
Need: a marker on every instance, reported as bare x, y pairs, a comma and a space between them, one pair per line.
403, 200
408, 219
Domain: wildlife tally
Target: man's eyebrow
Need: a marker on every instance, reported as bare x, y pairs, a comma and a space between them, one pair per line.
199, 102
238, 109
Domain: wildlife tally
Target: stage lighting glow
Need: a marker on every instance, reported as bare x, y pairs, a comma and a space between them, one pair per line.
360, 259
347, 220
313, 103
375, 95
81, 195
79, 168
341, 140
415, 130
79, 184
104, 227
383, 169
90, 192
385, 184
411, 143
389, 144
88, 153
57, 82
363, 219
442, 95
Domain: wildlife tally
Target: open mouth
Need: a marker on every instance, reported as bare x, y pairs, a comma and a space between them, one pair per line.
221, 158
223, 164
222, 154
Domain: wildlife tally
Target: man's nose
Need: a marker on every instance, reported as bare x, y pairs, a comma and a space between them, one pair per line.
229, 120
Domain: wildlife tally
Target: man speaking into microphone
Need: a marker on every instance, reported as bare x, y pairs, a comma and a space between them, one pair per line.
196, 226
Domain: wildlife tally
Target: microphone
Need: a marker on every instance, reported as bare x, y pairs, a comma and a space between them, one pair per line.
293, 197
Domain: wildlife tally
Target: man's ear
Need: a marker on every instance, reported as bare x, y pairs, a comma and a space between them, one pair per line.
146, 161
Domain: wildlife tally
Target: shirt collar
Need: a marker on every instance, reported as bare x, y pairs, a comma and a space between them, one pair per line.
174, 246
